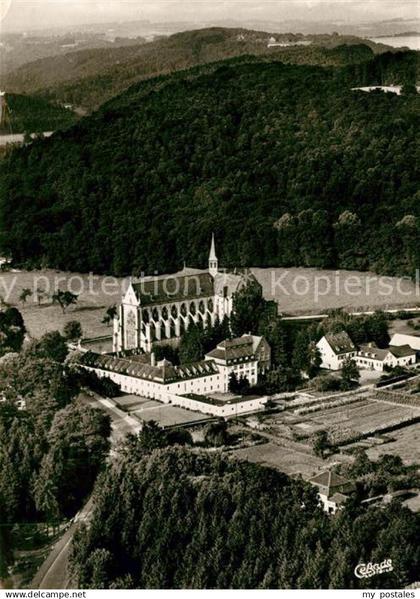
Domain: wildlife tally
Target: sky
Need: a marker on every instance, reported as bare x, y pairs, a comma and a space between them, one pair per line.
28, 14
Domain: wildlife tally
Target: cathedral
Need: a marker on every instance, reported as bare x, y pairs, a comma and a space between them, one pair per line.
161, 308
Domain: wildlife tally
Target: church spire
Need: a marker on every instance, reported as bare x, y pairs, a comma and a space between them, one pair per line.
213, 261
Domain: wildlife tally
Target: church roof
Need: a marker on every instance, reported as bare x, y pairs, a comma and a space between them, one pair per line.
228, 280
212, 255
174, 288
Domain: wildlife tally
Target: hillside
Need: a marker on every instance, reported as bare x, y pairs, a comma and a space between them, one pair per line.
34, 114
285, 163
175, 518
90, 77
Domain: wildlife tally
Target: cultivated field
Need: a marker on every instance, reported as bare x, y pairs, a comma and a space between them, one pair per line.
312, 291
362, 417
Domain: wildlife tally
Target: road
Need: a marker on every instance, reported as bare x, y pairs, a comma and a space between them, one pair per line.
53, 572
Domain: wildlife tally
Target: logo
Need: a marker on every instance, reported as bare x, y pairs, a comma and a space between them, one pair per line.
371, 569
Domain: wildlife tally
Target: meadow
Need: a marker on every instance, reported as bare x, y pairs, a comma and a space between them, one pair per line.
311, 291
96, 293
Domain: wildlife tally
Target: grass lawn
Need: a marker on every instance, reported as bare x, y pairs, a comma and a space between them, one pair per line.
287, 461
406, 444
312, 291
95, 295
167, 415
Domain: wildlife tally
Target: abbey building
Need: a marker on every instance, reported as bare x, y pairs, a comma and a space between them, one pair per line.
160, 308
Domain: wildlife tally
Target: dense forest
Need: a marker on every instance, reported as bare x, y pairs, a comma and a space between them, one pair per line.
175, 518
51, 446
89, 77
285, 163
34, 114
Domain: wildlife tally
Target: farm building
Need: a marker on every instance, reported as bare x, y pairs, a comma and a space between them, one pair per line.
333, 490
371, 356
335, 349
413, 340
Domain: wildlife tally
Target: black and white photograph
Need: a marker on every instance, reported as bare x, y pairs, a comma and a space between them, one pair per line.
209, 298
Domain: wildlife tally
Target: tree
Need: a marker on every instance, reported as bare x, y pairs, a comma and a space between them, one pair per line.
51, 345
278, 380
40, 294
110, 314
73, 330
247, 309
12, 331
409, 89
277, 336
376, 326
152, 436
166, 352
349, 373
78, 446
300, 359
233, 382
64, 298
191, 347
215, 433
239, 385
314, 360
215, 510
321, 443
24, 294
179, 436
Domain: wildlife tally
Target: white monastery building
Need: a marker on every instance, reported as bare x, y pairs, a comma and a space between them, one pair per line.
201, 386
162, 307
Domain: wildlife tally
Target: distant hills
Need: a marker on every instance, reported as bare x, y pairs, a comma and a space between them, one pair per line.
284, 162
89, 77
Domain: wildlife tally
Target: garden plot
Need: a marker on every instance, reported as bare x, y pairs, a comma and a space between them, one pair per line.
361, 418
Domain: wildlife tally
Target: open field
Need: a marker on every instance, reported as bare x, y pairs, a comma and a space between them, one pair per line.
406, 444
96, 293
288, 461
312, 291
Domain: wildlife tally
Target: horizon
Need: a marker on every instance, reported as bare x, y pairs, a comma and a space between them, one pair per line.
17, 16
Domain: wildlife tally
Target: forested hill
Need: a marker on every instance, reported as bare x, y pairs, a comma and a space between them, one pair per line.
285, 163
90, 77
33, 114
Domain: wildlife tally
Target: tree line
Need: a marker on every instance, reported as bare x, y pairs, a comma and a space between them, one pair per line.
172, 518
52, 446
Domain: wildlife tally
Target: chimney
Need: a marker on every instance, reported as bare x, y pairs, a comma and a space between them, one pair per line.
152, 359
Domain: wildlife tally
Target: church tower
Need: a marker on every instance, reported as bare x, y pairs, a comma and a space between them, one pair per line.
213, 261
